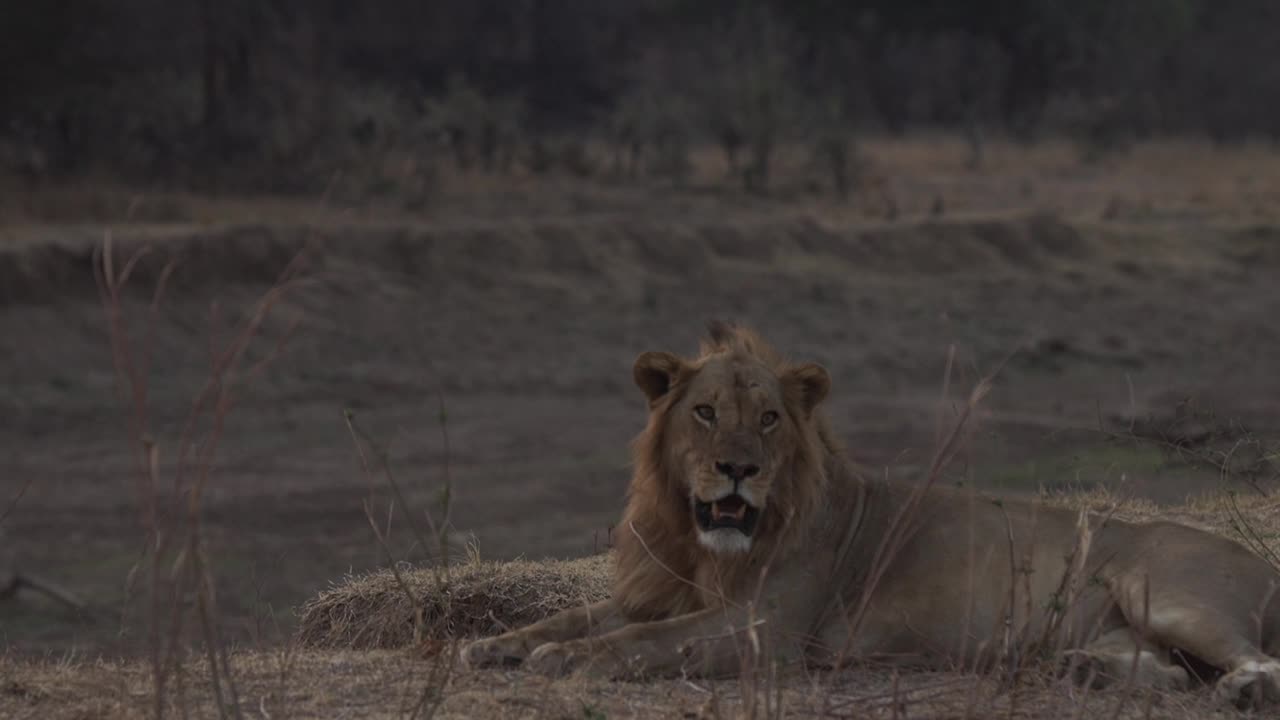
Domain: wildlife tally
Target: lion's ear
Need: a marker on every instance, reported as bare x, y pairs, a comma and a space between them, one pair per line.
656, 372
808, 384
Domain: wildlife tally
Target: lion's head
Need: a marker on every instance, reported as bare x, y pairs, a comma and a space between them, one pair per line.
733, 434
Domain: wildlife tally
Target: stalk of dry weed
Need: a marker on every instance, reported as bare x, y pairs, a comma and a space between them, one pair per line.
444, 653
174, 562
758, 686
17, 498
901, 527
949, 444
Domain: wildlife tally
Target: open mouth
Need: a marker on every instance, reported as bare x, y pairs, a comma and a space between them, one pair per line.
731, 512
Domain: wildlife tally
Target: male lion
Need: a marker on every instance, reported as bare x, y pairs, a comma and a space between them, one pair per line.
746, 525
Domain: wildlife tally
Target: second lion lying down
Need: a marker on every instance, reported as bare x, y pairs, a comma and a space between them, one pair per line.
744, 514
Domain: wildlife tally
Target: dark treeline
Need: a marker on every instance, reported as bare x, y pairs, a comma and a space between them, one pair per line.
281, 92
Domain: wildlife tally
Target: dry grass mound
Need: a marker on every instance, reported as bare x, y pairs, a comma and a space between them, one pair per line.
480, 598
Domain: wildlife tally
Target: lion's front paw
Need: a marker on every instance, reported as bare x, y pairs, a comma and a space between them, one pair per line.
556, 659
502, 650
577, 657
581, 657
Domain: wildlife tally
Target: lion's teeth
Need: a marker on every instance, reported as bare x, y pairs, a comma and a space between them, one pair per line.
737, 513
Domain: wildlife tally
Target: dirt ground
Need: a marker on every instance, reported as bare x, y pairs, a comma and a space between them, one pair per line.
1105, 292
388, 684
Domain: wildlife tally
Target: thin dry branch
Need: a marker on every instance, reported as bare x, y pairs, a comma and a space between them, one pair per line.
174, 534
20, 580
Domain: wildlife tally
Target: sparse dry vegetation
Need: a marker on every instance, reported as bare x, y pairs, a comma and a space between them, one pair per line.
381, 645
360, 659
236, 484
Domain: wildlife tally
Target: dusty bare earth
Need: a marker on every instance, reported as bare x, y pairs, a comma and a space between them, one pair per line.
1104, 310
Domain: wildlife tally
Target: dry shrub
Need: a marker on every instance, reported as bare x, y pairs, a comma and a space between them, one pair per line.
485, 597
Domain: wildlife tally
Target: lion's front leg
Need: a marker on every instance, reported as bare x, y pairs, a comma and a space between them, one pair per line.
512, 647
710, 642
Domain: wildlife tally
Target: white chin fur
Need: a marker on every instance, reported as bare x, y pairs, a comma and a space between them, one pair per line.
724, 540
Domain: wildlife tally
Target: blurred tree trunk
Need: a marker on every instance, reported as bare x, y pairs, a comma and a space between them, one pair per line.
212, 94
542, 77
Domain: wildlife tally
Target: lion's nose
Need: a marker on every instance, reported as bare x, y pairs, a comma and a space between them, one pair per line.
737, 472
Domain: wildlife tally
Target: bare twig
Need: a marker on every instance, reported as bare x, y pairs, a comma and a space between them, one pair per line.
17, 497
430, 697
20, 580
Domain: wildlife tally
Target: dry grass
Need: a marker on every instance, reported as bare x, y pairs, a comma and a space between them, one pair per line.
485, 597
344, 666
1226, 514
386, 684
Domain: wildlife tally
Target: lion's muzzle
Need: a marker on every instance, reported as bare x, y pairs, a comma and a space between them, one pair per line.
729, 512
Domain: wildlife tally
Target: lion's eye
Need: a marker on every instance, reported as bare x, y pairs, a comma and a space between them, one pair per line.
768, 419
706, 412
